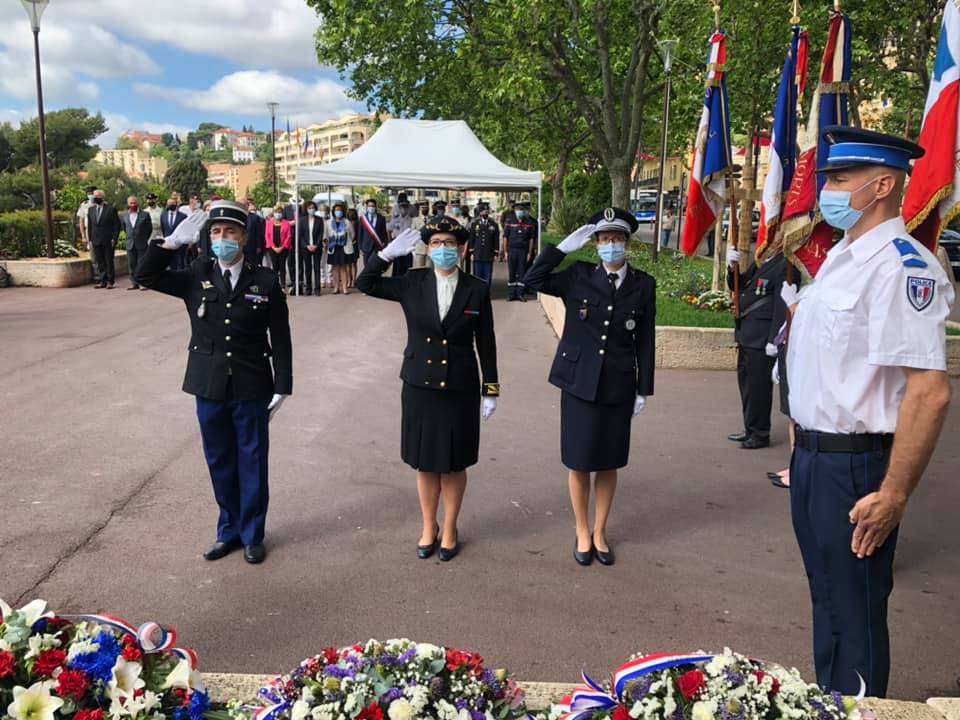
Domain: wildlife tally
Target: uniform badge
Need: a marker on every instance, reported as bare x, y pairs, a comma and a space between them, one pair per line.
255, 289
609, 214
583, 312
206, 284
920, 291
630, 324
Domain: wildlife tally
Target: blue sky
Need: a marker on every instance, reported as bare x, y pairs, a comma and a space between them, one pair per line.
165, 66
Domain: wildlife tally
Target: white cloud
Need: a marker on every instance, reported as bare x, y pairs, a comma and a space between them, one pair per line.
9, 115
118, 124
247, 93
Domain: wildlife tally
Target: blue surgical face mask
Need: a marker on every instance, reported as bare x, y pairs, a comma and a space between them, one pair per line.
521, 214
338, 214
311, 212
226, 250
612, 253
456, 212
278, 216
444, 258
836, 210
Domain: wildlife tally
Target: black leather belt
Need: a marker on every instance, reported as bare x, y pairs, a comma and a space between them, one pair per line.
843, 443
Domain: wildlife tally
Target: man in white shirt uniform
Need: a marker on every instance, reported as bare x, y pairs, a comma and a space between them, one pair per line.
869, 393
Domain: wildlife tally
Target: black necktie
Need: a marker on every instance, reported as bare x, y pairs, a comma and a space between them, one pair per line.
612, 277
226, 280
172, 218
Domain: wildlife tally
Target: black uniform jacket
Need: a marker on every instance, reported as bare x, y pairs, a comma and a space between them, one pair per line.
517, 234
608, 349
484, 239
231, 337
762, 311
440, 355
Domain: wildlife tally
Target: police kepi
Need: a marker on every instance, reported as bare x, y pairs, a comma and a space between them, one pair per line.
238, 320
866, 367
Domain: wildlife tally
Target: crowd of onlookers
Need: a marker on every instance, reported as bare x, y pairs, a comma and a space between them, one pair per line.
312, 246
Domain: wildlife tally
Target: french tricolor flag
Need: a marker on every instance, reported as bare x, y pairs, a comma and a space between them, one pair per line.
783, 145
711, 155
933, 195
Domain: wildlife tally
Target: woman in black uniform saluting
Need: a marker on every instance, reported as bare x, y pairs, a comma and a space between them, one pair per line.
448, 314
603, 366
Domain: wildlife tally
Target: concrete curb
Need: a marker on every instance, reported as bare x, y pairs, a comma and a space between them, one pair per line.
692, 348
226, 686
59, 272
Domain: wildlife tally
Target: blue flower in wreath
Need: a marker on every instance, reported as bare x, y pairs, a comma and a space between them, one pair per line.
199, 704
99, 664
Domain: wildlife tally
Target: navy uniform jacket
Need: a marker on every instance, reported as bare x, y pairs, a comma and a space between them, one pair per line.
762, 311
231, 337
440, 355
484, 239
608, 349
518, 234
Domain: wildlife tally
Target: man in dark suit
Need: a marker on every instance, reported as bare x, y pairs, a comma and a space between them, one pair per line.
256, 235
169, 221
137, 227
239, 320
310, 237
761, 316
103, 232
373, 231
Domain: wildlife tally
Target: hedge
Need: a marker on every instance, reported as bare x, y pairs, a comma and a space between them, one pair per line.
22, 233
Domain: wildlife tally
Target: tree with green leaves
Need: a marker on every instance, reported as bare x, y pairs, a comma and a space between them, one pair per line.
70, 134
187, 177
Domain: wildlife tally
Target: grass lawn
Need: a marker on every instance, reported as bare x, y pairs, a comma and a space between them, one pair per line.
676, 275
953, 331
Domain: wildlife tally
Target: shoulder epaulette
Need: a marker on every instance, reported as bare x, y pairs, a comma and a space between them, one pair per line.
908, 254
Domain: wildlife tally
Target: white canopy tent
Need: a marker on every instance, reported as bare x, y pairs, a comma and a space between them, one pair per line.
434, 154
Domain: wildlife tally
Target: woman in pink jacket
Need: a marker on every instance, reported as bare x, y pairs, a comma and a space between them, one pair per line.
279, 237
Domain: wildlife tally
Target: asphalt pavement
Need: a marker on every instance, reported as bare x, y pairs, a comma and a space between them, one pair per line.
107, 506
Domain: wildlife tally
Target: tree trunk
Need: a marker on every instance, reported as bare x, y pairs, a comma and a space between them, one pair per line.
620, 184
556, 184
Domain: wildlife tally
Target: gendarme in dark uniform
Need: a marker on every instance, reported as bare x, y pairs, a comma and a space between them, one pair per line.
238, 324
484, 244
762, 313
520, 242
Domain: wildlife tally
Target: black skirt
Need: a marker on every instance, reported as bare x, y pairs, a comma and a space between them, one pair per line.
784, 388
594, 437
439, 430
337, 256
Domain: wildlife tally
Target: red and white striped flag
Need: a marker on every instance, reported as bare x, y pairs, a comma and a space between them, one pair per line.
933, 195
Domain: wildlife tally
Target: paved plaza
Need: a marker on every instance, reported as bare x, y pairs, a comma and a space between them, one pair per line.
107, 506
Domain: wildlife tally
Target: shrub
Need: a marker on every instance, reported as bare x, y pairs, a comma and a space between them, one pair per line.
22, 233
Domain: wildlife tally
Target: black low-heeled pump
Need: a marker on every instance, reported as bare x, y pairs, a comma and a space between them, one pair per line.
448, 554
583, 558
604, 558
425, 551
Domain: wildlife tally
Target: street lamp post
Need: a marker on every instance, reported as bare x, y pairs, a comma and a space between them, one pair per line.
34, 10
273, 147
667, 46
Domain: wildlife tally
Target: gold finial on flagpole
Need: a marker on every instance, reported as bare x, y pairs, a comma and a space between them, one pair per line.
795, 20
716, 14
836, 6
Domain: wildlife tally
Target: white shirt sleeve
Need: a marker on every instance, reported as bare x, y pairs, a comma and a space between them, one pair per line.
906, 328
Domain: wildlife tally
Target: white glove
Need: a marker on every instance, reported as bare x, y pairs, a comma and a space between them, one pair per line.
577, 239
790, 294
488, 408
733, 256
771, 350
775, 373
639, 404
187, 232
402, 245
275, 402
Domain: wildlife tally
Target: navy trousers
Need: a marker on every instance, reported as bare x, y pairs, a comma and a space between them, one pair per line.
235, 443
483, 269
849, 595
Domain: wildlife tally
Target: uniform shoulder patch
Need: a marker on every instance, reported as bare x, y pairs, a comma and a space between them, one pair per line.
908, 254
920, 291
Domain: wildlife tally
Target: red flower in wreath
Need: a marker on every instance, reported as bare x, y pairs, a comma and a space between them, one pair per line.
330, 655
371, 712
48, 661
760, 675
131, 653
692, 684
73, 684
457, 659
621, 713
89, 715
7, 663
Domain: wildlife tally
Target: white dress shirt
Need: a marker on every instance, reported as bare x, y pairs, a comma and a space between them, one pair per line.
866, 316
133, 218
621, 274
446, 286
234, 272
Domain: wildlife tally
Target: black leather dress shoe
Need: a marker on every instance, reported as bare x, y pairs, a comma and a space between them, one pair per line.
254, 554
425, 551
755, 442
583, 558
737, 436
221, 549
448, 554
604, 558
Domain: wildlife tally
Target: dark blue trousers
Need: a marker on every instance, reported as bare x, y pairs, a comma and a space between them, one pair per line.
235, 443
849, 595
483, 269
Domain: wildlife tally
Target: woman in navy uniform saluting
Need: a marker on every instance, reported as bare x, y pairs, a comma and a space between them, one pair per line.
449, 323
603, 365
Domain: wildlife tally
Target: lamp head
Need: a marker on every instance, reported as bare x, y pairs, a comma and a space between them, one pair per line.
35, 10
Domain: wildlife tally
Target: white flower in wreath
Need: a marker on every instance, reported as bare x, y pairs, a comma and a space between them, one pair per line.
719, 662
446, 711
299, 711
131, 705
34, 703
400, 709
31, 612
418, 696
426, 651
81, 647
182, 676
704, 710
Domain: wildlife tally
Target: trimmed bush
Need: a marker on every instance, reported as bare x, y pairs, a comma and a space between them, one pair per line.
23, 235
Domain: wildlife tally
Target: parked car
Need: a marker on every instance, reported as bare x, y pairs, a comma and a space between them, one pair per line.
754, 222
950, 241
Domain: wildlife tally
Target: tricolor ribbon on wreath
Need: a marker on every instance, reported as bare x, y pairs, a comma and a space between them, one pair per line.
591, 698
151, 637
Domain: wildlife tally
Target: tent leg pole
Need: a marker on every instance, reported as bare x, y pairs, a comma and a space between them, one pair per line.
296, 243
539, 215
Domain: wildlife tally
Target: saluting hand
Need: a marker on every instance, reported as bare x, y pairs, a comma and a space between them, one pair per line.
187, 232
404, 244
875, 516
577, 239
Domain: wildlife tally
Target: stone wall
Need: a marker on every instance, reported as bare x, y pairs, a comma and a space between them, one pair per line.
706, 348
59, 272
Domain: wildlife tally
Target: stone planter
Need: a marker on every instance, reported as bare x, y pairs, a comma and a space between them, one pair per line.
59, 272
